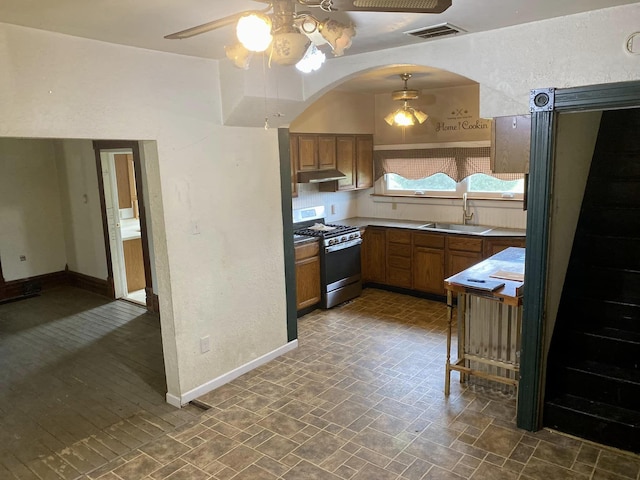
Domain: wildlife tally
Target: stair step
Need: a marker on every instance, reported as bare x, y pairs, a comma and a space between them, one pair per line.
606, 345
605, 283
616, 165
597, 381
613, 192
581, 310
617, 221
596, 421
608, 251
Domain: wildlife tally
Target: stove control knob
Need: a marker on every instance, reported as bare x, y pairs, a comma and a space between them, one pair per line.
331, 242
344, 239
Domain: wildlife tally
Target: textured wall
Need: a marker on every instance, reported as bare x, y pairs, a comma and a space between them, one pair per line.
211, 184
30, 213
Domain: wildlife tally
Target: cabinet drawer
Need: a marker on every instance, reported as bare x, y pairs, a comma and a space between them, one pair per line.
399, 250
399, 236
399, 277
428, 240
400, 262
307, 250
465, 244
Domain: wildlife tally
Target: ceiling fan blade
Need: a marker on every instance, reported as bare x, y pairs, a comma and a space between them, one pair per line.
407, 6
205, 27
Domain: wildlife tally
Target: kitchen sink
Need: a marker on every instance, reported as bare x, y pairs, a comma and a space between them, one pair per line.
456, 227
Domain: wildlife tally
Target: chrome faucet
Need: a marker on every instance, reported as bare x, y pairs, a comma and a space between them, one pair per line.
466, 216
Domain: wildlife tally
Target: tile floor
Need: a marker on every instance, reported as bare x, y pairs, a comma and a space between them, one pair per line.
360, 399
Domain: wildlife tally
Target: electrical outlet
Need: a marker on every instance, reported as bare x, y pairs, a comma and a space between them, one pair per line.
23, 258
333, 209
205, 345
394, 206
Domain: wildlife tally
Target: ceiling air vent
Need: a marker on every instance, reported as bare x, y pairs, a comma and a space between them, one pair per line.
436, 31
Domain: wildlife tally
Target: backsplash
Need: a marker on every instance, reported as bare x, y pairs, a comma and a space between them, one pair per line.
497, 213
344, 204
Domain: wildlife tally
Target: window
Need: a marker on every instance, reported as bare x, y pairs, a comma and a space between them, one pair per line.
478, 185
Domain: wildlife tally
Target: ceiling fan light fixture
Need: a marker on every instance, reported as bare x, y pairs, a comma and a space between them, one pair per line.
312, 60
254, 31
239, 55
338, 35
288, 48
405, 116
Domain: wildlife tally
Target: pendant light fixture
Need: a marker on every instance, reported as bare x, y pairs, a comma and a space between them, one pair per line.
406, 115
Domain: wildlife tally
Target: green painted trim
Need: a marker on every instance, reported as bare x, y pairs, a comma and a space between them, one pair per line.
593, 97
538, 207
287, 230
598, 97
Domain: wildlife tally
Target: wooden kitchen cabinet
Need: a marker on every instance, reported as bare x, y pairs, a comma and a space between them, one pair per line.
428, 259
307, 151
510, 144
354, 158
307, 259
399, 272
497, 244
326, 152
374, 255
462, 253
364, 161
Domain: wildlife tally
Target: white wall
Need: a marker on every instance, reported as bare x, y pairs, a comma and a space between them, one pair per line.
574, 50
30, 214
80, 200
210, 185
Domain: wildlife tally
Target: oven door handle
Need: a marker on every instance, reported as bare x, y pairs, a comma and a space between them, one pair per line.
343, 245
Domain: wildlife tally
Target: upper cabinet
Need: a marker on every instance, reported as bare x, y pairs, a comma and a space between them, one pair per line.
511, 141
313, 152
354, 158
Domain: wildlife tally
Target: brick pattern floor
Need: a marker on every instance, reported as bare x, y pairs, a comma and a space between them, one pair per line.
81, 383
360, 399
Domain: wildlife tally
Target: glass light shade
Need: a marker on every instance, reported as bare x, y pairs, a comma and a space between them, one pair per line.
239, 55
406, 117
310, 26
288, 48
312, 60
254, 32
337, 35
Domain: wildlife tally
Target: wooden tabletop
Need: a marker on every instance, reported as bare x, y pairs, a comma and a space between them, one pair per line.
510, 260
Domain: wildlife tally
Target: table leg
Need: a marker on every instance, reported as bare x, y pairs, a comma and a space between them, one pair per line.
447, 378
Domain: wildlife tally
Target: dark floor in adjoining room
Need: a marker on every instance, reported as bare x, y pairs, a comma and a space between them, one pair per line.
81, 383
360, 399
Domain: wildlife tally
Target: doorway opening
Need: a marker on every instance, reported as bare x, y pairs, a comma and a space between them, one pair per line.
125, 225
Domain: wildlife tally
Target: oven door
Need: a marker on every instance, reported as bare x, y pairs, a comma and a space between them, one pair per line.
341, 265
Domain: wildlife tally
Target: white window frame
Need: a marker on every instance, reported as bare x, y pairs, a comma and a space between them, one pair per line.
461, 188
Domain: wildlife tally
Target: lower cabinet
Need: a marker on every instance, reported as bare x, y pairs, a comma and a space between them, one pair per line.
374, 255
428, 261
307, 258
462, 253
420, 261
399, 258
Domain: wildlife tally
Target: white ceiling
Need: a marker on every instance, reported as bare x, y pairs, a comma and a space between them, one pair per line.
144, 23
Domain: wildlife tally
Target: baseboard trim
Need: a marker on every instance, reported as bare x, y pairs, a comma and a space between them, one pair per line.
227, 377
91, 284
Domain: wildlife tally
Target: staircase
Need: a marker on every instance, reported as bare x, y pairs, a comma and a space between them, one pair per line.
593, 372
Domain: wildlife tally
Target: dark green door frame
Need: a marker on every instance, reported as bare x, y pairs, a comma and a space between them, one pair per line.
545, 105
287, 229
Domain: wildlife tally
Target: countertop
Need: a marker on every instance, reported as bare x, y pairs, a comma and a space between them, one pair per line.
363, 222
509, 260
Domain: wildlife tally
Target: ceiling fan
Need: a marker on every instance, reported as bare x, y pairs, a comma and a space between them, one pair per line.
293, 36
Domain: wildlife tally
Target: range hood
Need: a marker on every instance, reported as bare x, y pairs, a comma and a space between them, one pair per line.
318, 176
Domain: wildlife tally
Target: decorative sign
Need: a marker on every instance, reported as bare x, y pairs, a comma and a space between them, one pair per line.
460, 120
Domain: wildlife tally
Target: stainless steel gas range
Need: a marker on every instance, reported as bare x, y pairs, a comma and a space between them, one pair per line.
340, 269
